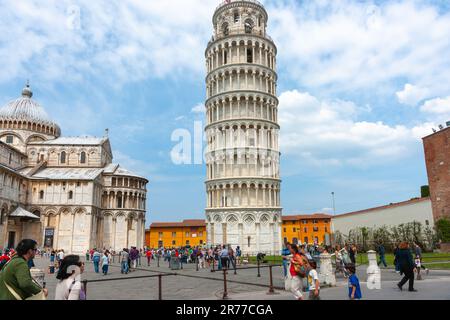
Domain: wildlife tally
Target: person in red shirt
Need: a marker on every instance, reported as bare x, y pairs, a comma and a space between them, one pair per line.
149, 256
4, 258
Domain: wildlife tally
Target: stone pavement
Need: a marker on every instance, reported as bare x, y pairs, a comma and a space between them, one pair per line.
204, 284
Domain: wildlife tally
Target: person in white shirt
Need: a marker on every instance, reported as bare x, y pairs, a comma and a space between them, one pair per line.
313, 282
105, 263
69, 286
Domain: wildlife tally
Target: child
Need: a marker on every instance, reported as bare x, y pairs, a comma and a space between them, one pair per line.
418, 266
354, 290
313, 282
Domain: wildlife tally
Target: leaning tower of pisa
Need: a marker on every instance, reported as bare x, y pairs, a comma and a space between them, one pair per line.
242, 157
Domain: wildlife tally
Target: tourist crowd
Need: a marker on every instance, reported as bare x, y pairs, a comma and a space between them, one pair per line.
299, 266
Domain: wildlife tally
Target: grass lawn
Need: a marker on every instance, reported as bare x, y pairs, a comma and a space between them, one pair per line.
362, 259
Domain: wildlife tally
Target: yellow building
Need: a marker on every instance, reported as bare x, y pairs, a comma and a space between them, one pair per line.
176, 234
307, 228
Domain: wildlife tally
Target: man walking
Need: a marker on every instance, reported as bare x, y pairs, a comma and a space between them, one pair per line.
96, 260
382, 252
124, 261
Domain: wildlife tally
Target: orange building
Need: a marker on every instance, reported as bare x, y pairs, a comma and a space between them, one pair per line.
176, 234
307, 228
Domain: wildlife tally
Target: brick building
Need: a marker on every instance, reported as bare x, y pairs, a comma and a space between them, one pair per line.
437, 159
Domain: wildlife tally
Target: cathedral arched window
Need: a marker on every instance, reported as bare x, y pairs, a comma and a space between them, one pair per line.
119, 201
2, 215
62, 157
83, 157
71, 194
41, 194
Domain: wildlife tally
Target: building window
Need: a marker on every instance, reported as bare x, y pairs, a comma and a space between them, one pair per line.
200, 234
305, 229
174, 242
326, 229
63, 157
225, 57
284, 229
187, 242
225, 29
201, 241
160, 235
2, 215
78, 183
70, 194
306, 240
119, 202
236, 17
293, 229
9, 139
49, 184
83, 157
186, 234
174, 234
10, 158
315, 221
249, 56
316, 239
41, 194
304, 221
248, 26
248, 241
294, 240
315, 229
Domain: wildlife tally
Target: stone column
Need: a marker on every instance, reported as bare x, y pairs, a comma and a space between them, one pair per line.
326, 274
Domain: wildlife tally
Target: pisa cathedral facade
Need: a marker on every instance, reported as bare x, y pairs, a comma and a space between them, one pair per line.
242, 157
64, 192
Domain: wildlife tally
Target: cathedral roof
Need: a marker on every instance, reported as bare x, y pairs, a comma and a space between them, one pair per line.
116, 170
26, 109
22, 213
84, 140
65, 173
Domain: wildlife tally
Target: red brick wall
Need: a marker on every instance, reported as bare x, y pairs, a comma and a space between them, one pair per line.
437, 159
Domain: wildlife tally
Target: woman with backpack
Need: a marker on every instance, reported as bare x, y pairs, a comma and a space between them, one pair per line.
296, 270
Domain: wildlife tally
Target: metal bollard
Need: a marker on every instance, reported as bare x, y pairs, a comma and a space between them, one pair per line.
196, 263
225, 292
85, 287
259, 274
159, 287
158, 261
271, 289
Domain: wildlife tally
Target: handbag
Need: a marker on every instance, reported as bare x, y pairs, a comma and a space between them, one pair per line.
37, 296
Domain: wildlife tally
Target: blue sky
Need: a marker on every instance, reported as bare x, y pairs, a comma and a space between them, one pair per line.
360, 82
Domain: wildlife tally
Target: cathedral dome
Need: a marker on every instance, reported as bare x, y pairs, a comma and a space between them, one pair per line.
25, 113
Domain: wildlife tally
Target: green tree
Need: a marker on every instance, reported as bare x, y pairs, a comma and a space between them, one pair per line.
443, 229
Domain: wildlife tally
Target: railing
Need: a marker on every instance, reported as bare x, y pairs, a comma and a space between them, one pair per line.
224, 3
225, 280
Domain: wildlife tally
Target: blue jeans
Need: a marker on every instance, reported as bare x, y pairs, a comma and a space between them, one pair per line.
96, 266
124, 267
285, 262
105, 269
219, 264
382, 260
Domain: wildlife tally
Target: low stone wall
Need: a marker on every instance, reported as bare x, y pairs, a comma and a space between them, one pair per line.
445, 247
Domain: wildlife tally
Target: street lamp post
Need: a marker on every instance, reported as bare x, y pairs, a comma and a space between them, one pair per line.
334, 205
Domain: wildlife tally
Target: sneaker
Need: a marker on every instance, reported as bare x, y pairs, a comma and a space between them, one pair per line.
413, 290
400, 287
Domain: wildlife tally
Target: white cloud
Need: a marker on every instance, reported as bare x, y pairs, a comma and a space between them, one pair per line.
327, 132
199, 108
412, 95
438, 106
122, 41
346, 45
